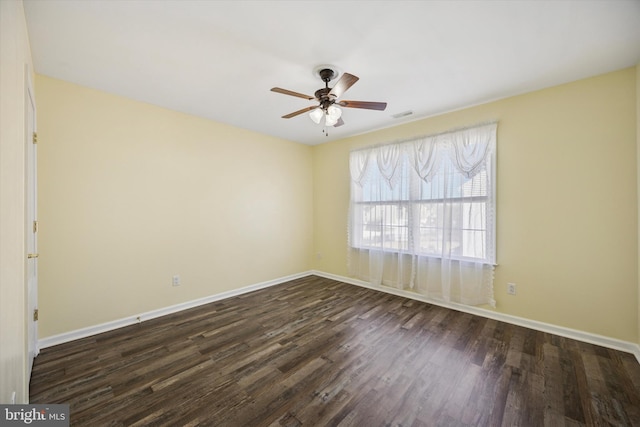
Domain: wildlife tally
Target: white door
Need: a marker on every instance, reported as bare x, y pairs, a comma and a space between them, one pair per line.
32, 228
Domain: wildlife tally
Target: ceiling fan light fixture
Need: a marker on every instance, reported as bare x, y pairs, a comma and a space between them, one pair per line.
334, 112
330, 121
316, 115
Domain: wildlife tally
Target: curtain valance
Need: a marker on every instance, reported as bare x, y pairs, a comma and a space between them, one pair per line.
467, 148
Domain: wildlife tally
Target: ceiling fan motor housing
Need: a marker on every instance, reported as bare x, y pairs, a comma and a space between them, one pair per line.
323, 96
327, 74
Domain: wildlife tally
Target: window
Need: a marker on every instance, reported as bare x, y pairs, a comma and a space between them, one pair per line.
448, 215
432, 197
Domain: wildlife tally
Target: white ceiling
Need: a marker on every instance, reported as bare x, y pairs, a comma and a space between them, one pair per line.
218, 59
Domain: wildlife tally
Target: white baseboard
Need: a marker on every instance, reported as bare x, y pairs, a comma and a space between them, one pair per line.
131, 320
587, 337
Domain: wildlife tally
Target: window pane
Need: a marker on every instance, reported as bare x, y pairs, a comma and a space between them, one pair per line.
473, 242
431, 241
385, 226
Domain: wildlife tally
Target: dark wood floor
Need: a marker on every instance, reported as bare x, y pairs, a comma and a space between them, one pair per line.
318, 352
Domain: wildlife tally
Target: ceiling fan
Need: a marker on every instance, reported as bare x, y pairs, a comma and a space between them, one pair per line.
328, 99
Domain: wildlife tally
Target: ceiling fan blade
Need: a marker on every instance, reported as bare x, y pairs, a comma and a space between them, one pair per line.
297, 113
346, 81
340, 122
292, 93
380, 106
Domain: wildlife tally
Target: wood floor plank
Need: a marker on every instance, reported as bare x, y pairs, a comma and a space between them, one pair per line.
315, 352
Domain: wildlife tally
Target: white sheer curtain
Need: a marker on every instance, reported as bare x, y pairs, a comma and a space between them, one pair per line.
422, 215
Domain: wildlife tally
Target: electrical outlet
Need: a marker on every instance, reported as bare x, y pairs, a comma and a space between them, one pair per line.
176, 280
319, 256
511, 288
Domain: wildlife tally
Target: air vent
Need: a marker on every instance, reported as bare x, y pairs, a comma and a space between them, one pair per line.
403, 114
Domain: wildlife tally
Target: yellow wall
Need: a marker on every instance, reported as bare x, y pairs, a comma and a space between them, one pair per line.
566, 201
14, 56
131, 194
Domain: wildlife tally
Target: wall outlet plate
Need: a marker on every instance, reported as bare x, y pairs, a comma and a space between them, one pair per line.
176, 280
511, 288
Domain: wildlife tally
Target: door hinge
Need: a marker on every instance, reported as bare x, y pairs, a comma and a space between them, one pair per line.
35, 227
35, 137
35, 315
